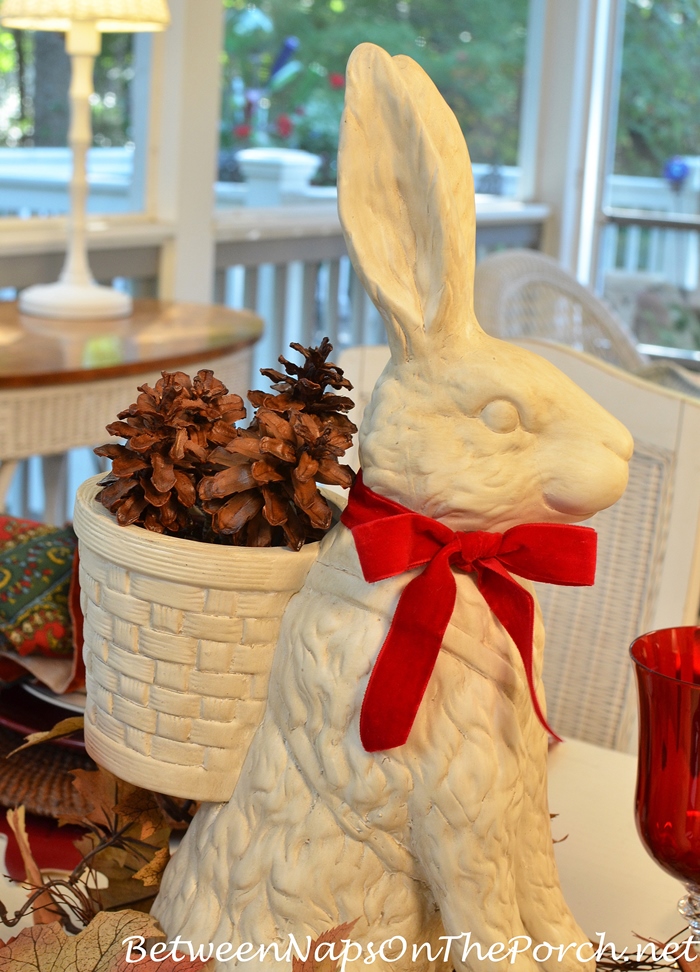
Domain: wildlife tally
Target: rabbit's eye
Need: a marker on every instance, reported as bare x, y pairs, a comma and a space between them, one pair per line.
500, 416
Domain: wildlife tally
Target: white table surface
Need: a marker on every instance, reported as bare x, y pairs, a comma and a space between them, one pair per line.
609, 881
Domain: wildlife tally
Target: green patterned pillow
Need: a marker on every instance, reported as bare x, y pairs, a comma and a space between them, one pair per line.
36, 563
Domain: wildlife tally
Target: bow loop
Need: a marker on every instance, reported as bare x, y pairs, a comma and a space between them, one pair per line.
391, 539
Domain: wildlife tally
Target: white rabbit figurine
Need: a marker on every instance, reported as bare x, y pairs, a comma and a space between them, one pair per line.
448, 834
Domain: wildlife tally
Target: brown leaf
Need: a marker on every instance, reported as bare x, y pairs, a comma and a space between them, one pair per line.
66, 727
234, 514
332, 937
100, 791
98, 948
45, 910
151, 873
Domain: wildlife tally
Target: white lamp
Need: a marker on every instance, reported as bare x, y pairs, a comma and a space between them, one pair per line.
76, 296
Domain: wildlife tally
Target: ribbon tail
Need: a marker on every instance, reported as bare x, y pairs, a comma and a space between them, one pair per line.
515, 609
407, 658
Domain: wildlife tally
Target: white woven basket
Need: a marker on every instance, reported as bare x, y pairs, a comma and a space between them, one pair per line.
179, 638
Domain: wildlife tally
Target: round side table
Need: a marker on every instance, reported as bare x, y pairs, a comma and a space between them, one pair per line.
62, 382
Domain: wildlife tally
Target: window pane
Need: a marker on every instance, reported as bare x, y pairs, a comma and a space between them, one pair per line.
34, 116
651, 271
284, 64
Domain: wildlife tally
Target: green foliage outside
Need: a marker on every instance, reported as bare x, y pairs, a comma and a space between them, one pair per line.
473, 51
659, 114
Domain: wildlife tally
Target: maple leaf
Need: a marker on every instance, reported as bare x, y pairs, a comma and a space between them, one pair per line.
152, 872
98, 948
139, 805
66, 727
332, 937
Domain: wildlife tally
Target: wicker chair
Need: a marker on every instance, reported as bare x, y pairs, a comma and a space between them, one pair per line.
649, 547
522, 293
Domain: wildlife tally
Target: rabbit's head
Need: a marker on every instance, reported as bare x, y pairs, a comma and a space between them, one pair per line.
462, 427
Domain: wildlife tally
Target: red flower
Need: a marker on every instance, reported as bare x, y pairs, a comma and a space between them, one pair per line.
284, 126
336, 80
242, 131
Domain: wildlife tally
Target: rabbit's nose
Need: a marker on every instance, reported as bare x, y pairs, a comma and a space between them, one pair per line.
620, 442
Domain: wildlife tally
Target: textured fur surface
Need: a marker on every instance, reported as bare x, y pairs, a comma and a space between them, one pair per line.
450, 833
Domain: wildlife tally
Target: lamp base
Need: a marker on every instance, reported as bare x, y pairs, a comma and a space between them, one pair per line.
74, 302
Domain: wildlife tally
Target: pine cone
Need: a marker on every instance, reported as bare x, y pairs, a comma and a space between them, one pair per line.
304, 386
295, 441
187, 470
170, 431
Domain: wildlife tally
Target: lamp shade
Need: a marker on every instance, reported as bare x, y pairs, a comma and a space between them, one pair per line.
107, 15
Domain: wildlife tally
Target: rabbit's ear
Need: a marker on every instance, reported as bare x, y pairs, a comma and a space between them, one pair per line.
406, 203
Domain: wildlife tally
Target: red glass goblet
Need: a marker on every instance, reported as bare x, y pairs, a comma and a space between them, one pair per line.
667, 665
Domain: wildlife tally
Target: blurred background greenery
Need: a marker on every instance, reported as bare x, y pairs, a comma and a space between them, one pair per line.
283, 65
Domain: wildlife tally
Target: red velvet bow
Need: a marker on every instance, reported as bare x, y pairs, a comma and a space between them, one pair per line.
391, 539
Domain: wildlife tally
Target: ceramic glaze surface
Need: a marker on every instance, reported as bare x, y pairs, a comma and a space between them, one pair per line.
179, 639
449, 834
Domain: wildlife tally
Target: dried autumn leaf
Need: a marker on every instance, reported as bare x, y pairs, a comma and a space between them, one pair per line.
151, 873
332, 937
44, 909
99, 948
66, 727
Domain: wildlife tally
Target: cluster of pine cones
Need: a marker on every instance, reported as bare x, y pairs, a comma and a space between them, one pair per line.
186, 470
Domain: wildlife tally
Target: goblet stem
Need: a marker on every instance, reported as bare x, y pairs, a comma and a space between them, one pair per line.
689, 907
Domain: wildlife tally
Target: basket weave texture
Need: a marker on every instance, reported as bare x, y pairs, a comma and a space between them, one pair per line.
179, 638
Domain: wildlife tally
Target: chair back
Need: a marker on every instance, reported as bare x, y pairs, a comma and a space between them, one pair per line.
523, 293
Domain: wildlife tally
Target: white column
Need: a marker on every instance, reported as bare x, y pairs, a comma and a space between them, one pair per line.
564, 164
182, 170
